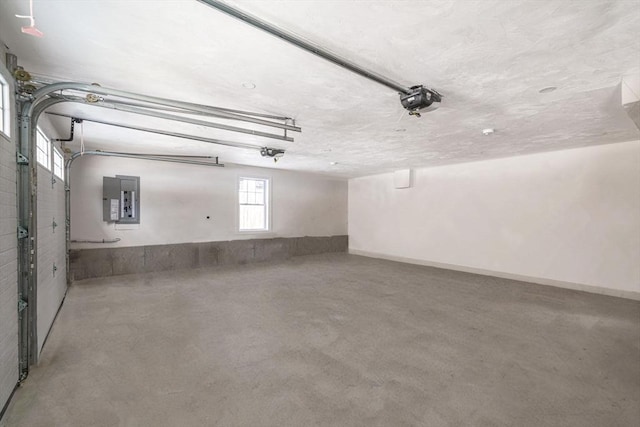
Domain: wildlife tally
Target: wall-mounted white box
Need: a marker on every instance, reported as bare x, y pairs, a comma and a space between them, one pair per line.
402, 178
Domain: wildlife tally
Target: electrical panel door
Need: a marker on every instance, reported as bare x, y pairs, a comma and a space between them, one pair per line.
121, 199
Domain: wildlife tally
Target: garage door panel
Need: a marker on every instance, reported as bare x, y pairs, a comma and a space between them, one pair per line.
51, 246
8, 261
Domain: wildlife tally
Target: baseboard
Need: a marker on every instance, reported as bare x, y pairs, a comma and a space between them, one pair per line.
537, 280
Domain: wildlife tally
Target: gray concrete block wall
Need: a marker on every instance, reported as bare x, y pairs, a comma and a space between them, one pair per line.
103, 262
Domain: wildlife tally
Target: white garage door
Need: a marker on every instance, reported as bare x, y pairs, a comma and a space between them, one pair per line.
52, 281
8, 246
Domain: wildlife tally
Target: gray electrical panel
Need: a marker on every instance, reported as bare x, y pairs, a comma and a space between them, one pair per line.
121, 199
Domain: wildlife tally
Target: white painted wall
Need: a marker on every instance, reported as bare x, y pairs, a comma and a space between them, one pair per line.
176, 199
568, 218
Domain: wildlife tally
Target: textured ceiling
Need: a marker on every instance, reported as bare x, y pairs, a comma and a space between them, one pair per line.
488, 58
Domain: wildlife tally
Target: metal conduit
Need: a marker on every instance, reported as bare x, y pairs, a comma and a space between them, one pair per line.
303, 44
42, 92
200, 113
157, 158
164, 132
150, 113
43, 80
150, 107
117, 239
176, 156
229, 110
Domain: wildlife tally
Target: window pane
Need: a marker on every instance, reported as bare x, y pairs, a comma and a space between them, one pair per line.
253, 197
259, 198
43, 150
4, 106
252, 218
42, 159
58, 164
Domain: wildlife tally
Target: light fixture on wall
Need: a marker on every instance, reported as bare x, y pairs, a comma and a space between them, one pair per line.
31, 29
488, 131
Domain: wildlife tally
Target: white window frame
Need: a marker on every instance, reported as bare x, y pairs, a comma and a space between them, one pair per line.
266, 204
5, 107
40, 136
58, 169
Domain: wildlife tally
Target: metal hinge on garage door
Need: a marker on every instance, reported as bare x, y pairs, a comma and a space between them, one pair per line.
21, 160
22, 304
23, 233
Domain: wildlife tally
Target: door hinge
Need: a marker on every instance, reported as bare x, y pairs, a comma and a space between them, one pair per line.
23, 233
21, 160
22, 304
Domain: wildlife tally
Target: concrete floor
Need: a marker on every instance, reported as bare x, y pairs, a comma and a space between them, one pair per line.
334, 340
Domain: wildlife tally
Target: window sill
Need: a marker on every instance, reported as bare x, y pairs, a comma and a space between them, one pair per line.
261, 233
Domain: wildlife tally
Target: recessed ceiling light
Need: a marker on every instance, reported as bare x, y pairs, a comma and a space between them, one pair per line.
547, 89
333, 163
248, 85
488, 131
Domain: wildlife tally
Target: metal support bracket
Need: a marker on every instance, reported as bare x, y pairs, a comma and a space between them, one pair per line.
22, 304
21, 160
54, 224
22, 97
23, 233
